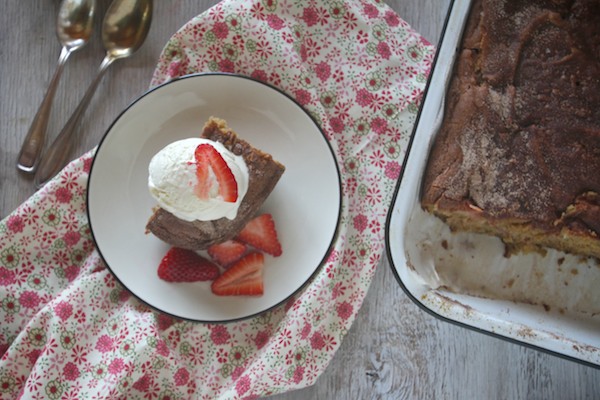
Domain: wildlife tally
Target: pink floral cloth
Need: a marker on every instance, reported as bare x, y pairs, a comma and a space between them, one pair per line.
69, 330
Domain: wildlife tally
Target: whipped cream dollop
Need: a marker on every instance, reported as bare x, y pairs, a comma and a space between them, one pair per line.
172, 182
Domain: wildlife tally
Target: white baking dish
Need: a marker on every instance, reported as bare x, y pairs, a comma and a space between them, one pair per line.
413, 242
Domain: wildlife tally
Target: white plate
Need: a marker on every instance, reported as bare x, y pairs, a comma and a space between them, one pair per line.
305, 204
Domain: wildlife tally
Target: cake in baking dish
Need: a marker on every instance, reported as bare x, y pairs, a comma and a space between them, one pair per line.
518, 152
260, 175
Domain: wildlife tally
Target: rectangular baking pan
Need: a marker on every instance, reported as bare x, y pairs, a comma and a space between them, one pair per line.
571, 336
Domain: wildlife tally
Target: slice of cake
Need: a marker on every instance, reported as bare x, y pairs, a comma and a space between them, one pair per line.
518, 153
224, 217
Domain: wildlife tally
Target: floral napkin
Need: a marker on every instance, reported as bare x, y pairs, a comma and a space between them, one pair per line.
69, 330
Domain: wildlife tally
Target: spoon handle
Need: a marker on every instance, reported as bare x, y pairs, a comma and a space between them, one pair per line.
59, 151
34, 141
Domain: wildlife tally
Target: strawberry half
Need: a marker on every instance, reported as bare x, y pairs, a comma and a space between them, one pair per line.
227, 252
245, 277
208, 157
180, 265
260, 233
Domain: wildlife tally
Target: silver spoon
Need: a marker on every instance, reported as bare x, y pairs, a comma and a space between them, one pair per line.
73, 27
124, 29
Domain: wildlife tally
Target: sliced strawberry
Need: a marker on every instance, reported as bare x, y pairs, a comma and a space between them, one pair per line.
260, 233
227, 252
180, 265
203, 186
207, 156
245, 277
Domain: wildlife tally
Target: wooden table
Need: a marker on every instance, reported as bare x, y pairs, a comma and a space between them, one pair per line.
394, 350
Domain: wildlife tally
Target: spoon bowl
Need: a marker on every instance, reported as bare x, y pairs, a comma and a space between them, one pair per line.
74, 25
124, 30
117, 36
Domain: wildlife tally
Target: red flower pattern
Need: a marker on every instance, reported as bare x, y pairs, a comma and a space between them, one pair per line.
220, 30
15, 224
116, 366
384, 50
323, 71
303, 97
181, 377
242, 385
360, 222
29, 299
63, 195
310, 16
371, 11
345, 310
275, 22
70, 371
7, 277
364, 97
219, 334
63, 310
261, 339
104, 344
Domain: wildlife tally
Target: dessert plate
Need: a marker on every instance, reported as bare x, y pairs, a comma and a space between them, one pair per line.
305, 204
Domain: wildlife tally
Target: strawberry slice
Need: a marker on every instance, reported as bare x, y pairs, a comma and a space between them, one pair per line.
180, 265
227, 253
208, 157
260, 233
245, 277
203, 186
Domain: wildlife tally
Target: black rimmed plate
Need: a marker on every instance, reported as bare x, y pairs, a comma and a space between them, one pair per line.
305, 204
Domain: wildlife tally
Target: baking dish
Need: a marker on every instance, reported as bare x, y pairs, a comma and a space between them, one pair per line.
540, 313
